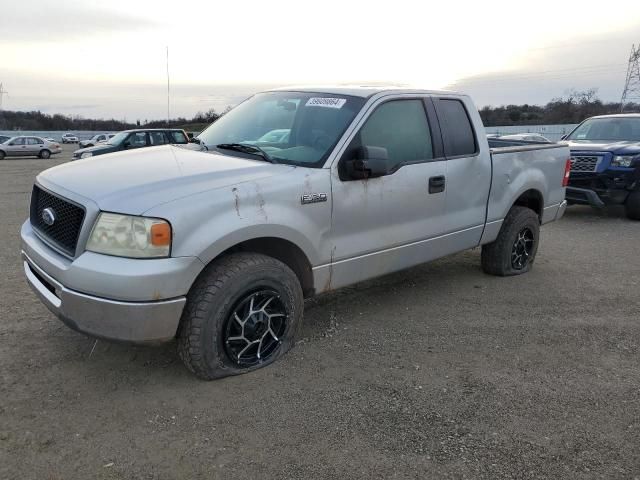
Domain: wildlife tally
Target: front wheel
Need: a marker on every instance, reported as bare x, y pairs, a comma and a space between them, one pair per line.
44, 154
242, 313
632, 205
514, 251
1, 155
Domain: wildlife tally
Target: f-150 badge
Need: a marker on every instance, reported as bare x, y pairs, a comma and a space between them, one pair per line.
313, 198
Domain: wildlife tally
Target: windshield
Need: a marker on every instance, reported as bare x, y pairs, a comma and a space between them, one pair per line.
292, 127
118, 138
614, 128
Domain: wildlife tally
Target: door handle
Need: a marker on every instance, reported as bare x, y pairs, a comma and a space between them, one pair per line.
437, 184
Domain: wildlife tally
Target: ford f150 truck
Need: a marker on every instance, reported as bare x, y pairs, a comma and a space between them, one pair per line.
605, 156
220, 248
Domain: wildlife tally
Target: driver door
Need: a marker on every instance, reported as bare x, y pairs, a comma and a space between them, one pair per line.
387, 223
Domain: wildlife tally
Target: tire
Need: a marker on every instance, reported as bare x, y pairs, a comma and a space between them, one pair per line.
514, 251
632, 205
211, 338
44, 154
1, 155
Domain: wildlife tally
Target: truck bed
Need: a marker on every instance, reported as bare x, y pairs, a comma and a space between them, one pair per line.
539, 166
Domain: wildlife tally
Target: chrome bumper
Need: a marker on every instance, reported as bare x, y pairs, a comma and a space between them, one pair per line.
138, 322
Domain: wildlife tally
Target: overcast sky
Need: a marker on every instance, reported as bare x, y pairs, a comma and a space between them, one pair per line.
110, 60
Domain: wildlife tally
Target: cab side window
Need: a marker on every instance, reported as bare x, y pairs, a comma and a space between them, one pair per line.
400, 127
137, 139
157, 138
457, 131
178, 137
19, 141
33, 141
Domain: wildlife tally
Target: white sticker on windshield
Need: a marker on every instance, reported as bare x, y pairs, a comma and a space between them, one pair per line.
582, 135
326, 102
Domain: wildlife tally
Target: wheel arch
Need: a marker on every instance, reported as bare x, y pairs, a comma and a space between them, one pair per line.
533, 199
279, 248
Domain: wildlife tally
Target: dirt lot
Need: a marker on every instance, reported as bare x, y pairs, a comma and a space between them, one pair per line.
437, 372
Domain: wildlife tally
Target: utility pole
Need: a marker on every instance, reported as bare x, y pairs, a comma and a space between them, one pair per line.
168, 91
632, 84
3, 92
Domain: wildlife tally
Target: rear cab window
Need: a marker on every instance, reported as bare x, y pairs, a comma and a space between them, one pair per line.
457, 130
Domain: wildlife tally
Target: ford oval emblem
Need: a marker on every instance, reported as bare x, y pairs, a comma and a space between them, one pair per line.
48, 216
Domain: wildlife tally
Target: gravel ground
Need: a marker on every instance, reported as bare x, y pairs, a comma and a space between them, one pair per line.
436, 372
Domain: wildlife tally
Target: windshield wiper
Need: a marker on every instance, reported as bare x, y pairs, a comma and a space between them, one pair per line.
244, 148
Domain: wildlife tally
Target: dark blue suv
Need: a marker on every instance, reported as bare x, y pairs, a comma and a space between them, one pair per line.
605, 162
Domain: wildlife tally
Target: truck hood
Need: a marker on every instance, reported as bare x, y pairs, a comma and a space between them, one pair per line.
136, 180
98, 149
617, 148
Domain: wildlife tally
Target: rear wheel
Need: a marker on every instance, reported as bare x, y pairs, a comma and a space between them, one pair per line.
514, 251
44, 154
244, 312
632, 205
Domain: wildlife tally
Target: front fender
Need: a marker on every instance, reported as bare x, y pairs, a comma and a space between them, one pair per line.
206, 224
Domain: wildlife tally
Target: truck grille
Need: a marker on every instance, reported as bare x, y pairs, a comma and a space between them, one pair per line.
584, 163
62, 222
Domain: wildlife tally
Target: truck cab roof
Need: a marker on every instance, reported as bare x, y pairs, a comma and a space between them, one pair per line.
618, 115
363, 91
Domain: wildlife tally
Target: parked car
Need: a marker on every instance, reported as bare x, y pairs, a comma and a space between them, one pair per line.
69, 138
100, 138
4, 138
131, 139
605, 162
219, 248
526, 137
49, 139
28, 146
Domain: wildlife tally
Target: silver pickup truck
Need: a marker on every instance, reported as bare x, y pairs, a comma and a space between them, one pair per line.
299, 192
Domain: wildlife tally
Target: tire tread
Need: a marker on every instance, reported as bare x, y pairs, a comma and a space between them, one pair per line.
204, 294
493, 254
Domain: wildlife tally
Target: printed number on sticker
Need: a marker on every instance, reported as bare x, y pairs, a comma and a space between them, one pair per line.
326, 102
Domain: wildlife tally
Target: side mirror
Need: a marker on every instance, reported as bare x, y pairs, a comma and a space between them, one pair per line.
195, 140
126, 144
370, 162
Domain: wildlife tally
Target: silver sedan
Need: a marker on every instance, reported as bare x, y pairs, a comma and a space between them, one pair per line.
28, 146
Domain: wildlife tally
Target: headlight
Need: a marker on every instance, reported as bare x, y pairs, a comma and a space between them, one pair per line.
129, 236
622, 160
86, 155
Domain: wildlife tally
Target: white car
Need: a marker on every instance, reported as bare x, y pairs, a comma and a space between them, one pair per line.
69, 138
28, 147
526, 137
96, 139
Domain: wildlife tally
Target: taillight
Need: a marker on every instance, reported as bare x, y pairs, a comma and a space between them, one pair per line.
567, 172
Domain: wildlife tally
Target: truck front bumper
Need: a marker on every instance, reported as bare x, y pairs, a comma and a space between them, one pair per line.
584, 196
122, 299
611, 187
138, 322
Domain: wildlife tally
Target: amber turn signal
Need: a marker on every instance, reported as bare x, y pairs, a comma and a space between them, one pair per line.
160, 234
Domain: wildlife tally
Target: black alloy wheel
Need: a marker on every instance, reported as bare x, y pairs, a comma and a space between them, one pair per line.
255, 327
522, 249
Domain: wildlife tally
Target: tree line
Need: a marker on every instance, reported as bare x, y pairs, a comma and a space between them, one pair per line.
574, 107
36, 120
